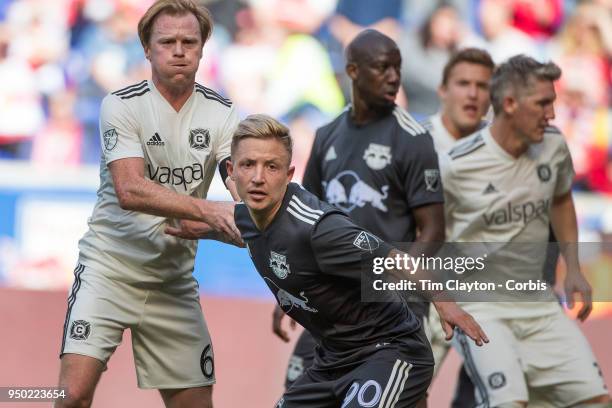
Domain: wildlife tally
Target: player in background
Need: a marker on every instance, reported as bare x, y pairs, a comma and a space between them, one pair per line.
464, 97
162, 141
376, 163
537, 354
464, 102
310, 254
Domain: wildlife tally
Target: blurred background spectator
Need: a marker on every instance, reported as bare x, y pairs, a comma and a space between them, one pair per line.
285, 58
503, 38
425, 50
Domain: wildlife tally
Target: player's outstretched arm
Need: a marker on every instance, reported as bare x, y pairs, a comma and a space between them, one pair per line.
136, 193
194, 230
565, 227
451, 316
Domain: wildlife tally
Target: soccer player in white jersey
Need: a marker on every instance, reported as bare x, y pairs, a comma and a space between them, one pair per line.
464, 97
505, 184
162, 140
464, 102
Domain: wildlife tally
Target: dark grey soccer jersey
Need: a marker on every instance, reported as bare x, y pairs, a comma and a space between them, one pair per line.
310, 256
376, 173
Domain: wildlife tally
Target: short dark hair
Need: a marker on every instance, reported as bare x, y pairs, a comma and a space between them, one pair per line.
174, 8
361, 46
469, 55
516, 74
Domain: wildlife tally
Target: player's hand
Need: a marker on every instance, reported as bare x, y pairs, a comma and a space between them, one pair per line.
576, 283
452, 316
189, 229
277, 328
220, 216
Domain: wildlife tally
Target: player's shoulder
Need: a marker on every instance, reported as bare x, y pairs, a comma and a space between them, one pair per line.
211, 98
326, 131
131, 93
311, 216
553, 131
553, 136
427, 123
466, 147
553, 142
304, 207
407, 124
125, 102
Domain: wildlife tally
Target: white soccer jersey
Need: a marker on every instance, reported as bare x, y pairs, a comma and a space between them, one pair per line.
491, 196
443, 140
180, 151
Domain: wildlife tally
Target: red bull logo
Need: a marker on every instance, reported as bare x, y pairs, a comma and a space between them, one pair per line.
359, 192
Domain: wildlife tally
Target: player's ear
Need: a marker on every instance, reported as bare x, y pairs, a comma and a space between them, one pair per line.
352, 70
290, 173
147, 52
230, 169
442, 92
509, 104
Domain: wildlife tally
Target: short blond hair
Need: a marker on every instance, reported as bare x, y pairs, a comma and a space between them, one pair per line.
174, 8
262, 126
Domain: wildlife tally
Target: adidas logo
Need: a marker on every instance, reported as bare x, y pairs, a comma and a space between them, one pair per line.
155, 140
331, 154
490, 189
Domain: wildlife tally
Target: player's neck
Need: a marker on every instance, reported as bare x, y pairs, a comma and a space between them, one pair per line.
507, 138
450, 127
362, 113
175, 93
262, 219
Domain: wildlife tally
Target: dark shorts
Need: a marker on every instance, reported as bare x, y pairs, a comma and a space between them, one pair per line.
304, 351
386, 376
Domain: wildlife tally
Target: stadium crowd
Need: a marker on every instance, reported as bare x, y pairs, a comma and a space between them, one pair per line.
285, 58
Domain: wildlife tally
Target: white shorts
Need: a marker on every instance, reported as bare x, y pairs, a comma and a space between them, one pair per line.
170, 340
543, 360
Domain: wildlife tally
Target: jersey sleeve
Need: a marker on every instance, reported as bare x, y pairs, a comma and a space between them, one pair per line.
565, 170
119, 130
312, 174
342, 249
226, 132
421, 175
